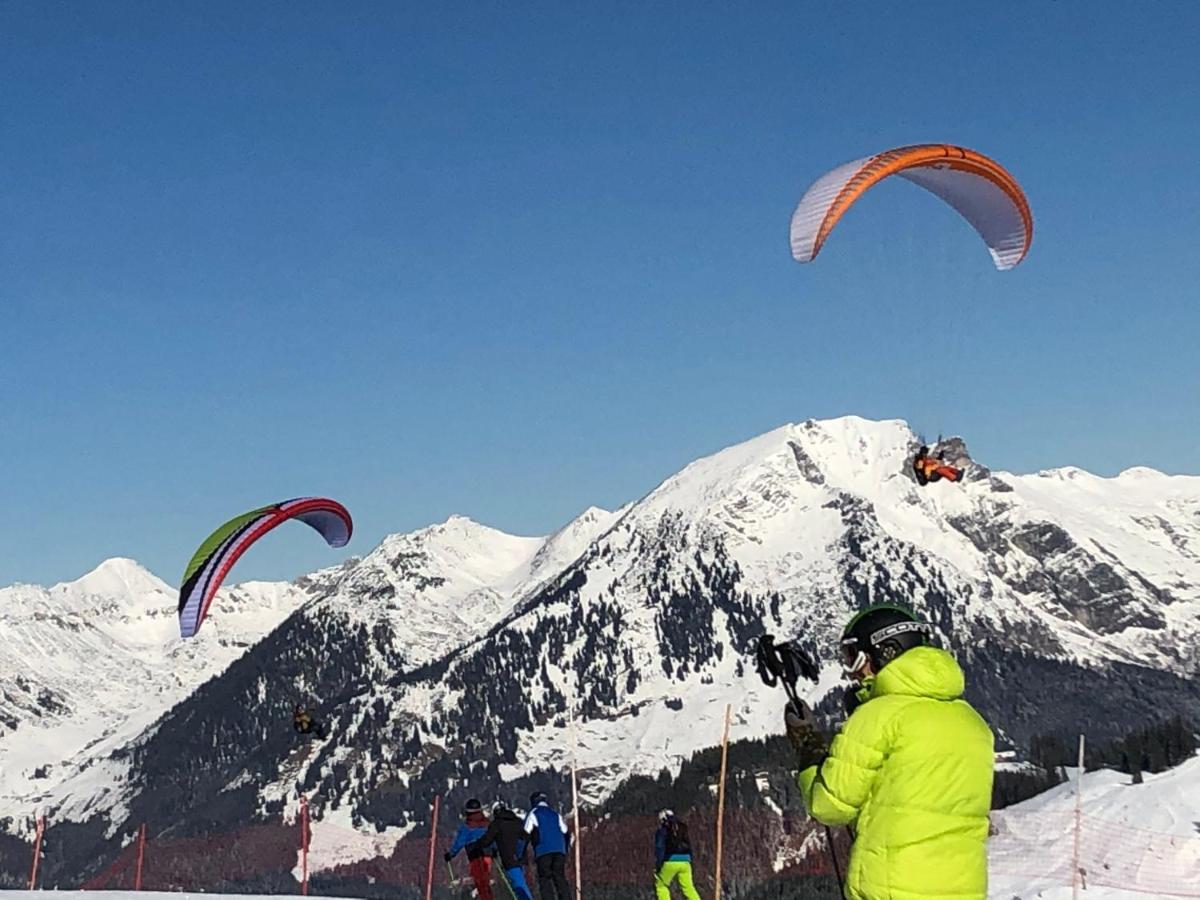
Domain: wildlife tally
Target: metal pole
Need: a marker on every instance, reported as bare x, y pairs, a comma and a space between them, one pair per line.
575, 805
721, 796
137, 878
37, 851
1075, 869
437, 804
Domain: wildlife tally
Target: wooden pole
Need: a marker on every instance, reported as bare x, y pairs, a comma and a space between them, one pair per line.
1076, 872
721, 796
575, 806
37, 852
437, 804
303, 846
141, 855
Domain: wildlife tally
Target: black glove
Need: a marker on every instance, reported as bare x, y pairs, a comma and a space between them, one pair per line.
805, 735
447, 856
852, 699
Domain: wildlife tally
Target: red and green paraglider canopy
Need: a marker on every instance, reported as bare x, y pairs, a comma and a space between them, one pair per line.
221, 549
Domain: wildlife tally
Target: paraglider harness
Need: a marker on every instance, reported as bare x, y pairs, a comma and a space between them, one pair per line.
928, 468
786, 664
304, 723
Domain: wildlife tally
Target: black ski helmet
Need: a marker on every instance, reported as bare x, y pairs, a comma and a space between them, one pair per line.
537, 797
880, 633
499, 806
472, 806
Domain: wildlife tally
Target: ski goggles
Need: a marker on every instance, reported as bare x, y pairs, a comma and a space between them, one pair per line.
853, 659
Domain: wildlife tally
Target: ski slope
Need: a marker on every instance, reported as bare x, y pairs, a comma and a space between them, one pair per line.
1135, 840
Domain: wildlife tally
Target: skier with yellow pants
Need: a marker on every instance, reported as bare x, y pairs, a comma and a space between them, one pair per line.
673, 857
910, 770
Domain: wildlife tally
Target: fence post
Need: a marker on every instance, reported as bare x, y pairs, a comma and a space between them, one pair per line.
303, 845
137, 878
1075, 862
437, 803
37, 852
575, 806
721, 796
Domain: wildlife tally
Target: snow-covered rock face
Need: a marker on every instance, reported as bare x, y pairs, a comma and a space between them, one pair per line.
452, 655
439, 588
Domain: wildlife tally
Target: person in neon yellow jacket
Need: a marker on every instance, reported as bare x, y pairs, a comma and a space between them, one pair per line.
910, 771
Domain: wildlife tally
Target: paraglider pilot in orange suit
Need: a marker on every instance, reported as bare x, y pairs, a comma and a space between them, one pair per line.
932, 468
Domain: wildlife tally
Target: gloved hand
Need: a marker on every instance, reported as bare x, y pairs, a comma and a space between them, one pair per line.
852, 699
447, 856
805, 735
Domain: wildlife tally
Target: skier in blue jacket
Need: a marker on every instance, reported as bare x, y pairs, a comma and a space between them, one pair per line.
550, 838
473, 827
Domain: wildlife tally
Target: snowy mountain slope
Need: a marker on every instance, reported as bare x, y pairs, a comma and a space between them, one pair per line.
99, 659
445, 585
1135, 840
1068, 549
448, 658
93, 662
648, 632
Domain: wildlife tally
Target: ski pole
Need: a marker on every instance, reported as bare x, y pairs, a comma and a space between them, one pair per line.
507, 884
837, 869
789, 688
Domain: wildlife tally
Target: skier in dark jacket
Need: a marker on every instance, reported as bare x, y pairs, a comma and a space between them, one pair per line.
507, 832
550, 838
672, 857
473, 827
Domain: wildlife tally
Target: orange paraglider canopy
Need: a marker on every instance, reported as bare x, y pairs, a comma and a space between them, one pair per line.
979, 188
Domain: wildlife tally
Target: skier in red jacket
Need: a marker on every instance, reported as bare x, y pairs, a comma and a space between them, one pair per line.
474, 826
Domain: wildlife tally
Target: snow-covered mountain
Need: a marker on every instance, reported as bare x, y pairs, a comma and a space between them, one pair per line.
97, 660
444, 586
451, 657
90, 664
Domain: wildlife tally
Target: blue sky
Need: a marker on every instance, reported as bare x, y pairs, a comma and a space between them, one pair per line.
511, 260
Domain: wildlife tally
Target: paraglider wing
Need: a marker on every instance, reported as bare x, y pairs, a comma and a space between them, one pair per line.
979, 188
221, 549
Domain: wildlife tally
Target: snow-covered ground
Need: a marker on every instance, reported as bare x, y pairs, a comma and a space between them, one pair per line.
143, 895
1134, 840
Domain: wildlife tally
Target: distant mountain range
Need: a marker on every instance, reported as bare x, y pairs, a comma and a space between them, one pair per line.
447, 659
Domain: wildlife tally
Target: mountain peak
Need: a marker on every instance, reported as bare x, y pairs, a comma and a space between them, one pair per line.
119, 576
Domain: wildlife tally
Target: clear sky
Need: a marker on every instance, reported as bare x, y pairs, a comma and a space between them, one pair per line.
511, 260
